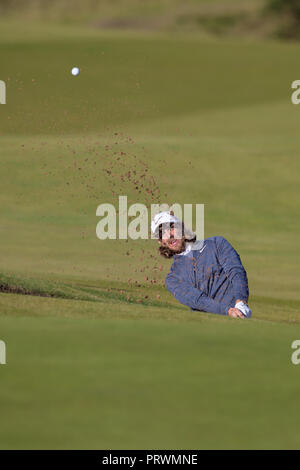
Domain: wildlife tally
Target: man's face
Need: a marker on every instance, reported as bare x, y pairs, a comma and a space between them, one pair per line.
173, 238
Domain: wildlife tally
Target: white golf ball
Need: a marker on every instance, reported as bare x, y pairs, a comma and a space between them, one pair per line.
75, 71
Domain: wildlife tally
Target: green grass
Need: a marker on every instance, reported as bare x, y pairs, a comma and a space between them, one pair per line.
140, 382
98, 353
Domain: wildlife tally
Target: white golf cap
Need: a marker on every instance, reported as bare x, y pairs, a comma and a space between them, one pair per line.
165, 217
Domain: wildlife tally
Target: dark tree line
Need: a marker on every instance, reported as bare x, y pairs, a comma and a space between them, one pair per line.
291, 7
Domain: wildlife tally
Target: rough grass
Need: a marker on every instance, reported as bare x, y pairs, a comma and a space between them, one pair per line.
104, 291
250, 18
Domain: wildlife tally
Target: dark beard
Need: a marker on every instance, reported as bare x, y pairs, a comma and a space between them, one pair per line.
167, 253
182, 249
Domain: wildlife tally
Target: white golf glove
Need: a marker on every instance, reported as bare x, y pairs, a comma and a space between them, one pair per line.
244, 309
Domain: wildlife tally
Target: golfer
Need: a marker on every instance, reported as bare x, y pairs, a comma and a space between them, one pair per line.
205, 275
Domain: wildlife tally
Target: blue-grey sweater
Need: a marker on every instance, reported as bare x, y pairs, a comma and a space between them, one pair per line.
209, 279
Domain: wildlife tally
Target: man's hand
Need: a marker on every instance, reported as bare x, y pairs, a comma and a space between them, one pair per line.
243, 307
235, 313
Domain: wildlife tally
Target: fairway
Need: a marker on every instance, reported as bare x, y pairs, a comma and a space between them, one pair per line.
99, 355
